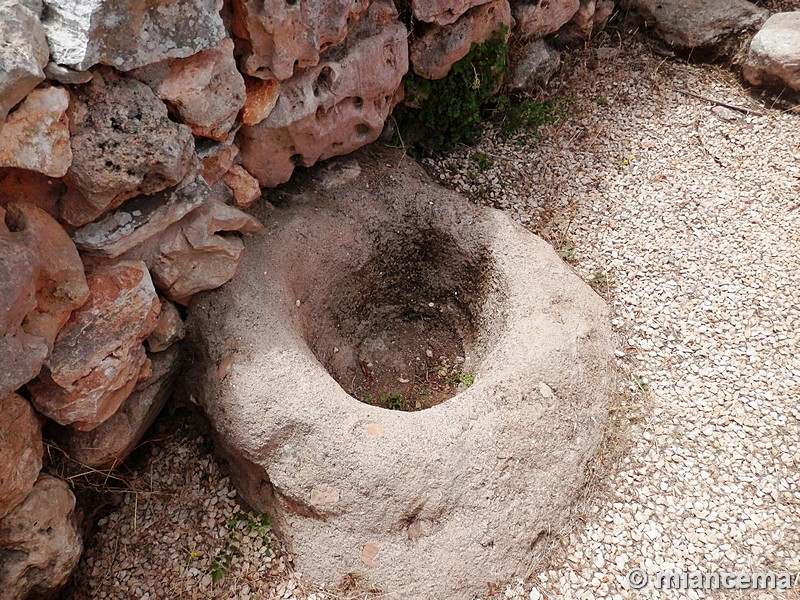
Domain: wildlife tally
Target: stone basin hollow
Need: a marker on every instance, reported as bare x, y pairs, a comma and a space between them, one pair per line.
399, 332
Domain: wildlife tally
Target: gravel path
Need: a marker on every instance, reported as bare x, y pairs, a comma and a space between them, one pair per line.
685, 215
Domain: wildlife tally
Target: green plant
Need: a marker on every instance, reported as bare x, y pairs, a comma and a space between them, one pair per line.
482, 160
601, 101
528, 113
245, 523
449, 110
482, 193
641, 384
250, 522
466, 379
393, 401
599, 279
568, 253
222, 562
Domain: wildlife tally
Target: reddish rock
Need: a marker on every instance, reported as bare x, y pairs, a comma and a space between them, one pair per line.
279, 38
590, 18
216, 160
20, 451
109, 444
36, 134
244, 186
538, 19
140, 218
123, 144
39, 542
191, 256
442, 12
169, 328
438, 48
262, 95
61, 285
35, 188
23, 54
98, 354
21, 353
205, 91
335, 107
41, 283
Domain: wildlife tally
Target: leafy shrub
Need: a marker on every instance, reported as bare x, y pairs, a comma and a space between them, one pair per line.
444, 112
527, 113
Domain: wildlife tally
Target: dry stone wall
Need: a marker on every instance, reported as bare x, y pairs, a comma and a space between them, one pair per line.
133, 136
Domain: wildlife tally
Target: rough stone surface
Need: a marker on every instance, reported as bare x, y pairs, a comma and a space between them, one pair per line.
22, 353
61, 74
36, 134
98, 354
216, 160
123, 145
533, 70
39, 542
108, 445
129, 33
169, 328
262, 95
21, 451
590, 18
244, 186
23, 55
717, 27
192, 256
452, 494
435, 51
442, 12
538, 19
35, 6
205, 91
335, 107
774, 56
32, 187
140, 218
41, 283
279, 38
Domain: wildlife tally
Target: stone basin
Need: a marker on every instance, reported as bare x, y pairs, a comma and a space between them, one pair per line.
434, 502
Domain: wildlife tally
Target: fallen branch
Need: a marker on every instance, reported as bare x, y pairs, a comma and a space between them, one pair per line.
742, 109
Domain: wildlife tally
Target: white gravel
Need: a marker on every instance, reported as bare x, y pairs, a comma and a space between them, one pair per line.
691, 212
686, 216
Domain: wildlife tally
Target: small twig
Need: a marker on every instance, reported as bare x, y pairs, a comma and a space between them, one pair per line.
742, 109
